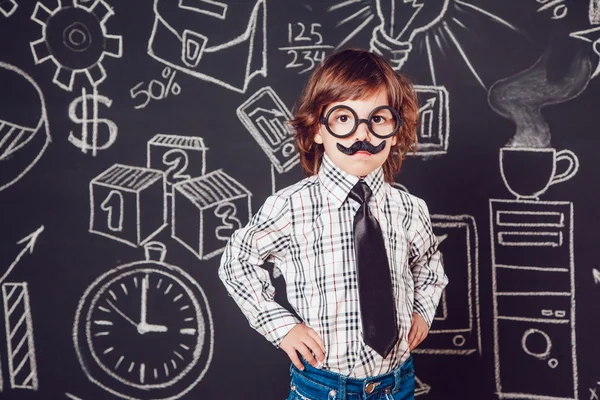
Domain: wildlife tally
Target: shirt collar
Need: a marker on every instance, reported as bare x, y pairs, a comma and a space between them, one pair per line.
336, 183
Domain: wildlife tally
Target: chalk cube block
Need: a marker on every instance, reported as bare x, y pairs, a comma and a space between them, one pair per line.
180, 157
128, 204
206, 211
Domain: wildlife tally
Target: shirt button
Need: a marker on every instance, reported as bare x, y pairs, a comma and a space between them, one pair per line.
293, 388
332, 393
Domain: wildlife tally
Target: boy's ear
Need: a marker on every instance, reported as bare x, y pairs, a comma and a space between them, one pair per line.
394, 140
318, 138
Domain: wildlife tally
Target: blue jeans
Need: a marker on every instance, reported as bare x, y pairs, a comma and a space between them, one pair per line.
317, 384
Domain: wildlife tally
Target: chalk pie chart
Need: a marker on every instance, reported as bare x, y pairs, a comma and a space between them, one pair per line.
24, 131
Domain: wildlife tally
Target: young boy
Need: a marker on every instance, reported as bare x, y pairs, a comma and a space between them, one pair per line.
359, 257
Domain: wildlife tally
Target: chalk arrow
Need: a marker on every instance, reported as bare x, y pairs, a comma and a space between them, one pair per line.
592, 36
429, 104
30, 244
421, 388
596, 274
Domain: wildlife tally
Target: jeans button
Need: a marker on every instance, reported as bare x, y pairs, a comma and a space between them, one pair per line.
369, 387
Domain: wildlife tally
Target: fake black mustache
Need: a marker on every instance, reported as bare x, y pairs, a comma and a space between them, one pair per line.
361, 146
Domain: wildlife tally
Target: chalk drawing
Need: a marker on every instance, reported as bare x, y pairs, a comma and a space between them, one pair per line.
75, 39
400, 22
156, 89
522, 96
214, 202
184, 37
144, 330
421, 388
592, 36
401, 26
529, 172
24, 136
22, 367
305, 46
433, 129
180, 157
128, 204
596, 275
365, 13
94, 142
558, 7
457, 327
533, 298
594, 12
29, 241
8, 7
267, 118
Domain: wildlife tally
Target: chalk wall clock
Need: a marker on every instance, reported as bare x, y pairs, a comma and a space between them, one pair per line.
144, 330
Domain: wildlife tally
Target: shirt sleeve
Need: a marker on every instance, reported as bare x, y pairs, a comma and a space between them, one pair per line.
265, 238
426, 264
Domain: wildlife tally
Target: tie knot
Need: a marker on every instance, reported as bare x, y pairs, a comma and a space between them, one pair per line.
361, 192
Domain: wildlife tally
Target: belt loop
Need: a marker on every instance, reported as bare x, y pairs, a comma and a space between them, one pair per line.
342, 383
397, 378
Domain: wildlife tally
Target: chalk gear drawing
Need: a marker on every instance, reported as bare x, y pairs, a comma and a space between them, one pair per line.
74, 37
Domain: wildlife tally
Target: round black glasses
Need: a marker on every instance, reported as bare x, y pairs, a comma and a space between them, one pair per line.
342, 121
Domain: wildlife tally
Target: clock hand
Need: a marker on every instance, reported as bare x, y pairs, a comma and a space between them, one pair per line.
121, 313
144, 305
145, 328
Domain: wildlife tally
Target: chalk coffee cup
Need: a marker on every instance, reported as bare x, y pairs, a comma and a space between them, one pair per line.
529, 172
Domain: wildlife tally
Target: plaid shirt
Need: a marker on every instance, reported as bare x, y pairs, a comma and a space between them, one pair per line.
307, 231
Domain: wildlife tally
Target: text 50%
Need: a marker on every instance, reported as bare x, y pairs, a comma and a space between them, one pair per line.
559, 9
156, 89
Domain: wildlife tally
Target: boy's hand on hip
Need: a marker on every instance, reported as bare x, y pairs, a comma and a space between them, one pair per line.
418, 331
303, 339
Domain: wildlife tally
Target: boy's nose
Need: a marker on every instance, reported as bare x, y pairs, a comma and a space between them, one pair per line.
362, 131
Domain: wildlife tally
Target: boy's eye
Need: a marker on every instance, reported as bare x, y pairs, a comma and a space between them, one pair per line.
378, 119
343, 118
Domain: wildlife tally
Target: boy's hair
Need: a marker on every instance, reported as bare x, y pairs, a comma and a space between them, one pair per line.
349, 75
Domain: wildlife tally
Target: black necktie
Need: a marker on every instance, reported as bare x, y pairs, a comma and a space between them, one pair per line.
377, 306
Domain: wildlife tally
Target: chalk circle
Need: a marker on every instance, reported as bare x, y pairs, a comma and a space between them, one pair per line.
459, 340
553, 363
288, 149
540, 355
77, 37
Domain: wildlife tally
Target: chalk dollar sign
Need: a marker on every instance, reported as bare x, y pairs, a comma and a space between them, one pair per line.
87, 141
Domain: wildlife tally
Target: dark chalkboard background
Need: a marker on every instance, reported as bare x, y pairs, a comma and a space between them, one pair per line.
102, 111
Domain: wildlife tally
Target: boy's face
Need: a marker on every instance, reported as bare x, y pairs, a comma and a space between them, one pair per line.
361, 163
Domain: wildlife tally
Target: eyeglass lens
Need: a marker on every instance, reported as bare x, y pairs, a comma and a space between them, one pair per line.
342, 121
